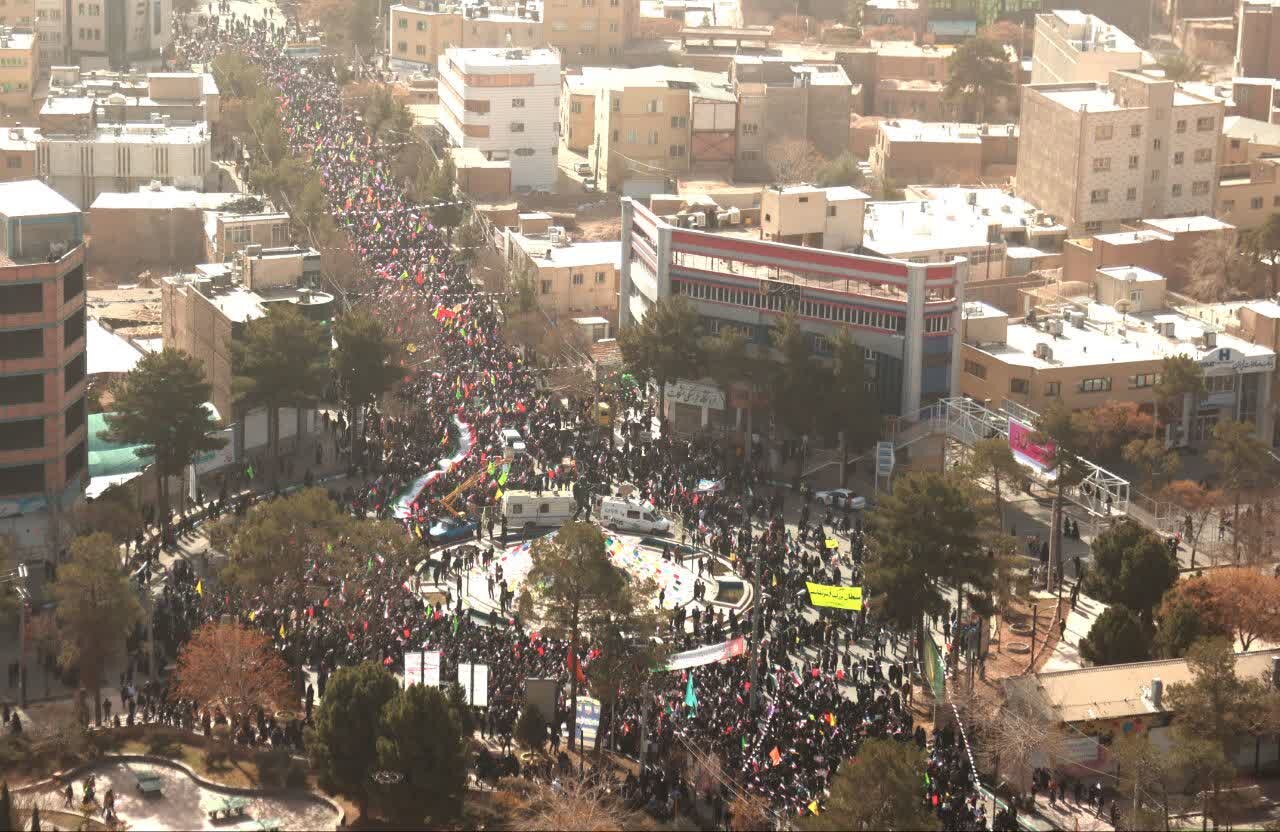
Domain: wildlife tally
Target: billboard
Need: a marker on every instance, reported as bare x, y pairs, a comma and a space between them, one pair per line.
1026, 450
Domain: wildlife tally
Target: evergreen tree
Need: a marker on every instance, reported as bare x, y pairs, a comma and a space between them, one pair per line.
161, 406
879, 789
979, 73
421, 741
343, 744
1131, 566
363, 367
1116, 637
665, 346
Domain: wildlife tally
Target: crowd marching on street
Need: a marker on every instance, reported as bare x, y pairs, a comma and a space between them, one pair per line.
827, 682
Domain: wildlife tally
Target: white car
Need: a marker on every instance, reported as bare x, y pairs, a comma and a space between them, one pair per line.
511, 441
841, 497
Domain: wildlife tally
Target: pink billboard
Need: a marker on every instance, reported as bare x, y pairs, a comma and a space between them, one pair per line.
1026, 450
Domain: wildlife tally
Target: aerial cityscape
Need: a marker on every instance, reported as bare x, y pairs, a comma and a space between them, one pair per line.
640, 415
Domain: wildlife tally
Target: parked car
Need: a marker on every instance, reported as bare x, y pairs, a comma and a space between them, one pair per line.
582, 169
841, 498
449, 529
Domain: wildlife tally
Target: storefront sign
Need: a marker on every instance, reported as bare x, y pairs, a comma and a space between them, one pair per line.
1026, 450
695, 394
1225, 358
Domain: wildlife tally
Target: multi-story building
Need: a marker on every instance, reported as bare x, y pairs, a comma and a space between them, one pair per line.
910, 152
1071, 46
1096, 156
570, 278
158, 228
783, 99
1258, 39
186, 97
639, 128
19, 14
1164, 246
590, 31
997, 234
1085, 352
906, 315
419, 34
1255, 321
505, 102
106, 34
44, 459
19, 69
204, 312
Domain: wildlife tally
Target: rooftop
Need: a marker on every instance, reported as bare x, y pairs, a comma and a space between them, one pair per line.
1088, 33
492, 12
1252, 130
1121, 690
543, 252
1097, 98
32, 198
909, 130
485, 58
936, 219
163, 198
910, 49
106, 351
10, 39
1182, 225
1107, 338
702, 84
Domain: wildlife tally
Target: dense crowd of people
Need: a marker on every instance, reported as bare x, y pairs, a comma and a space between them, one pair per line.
826, 683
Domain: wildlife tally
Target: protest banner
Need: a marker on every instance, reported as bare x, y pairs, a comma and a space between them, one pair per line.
837, 597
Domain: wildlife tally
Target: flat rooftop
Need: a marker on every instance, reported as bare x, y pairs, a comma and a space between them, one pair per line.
910, 49
32, 198
1179, 225
937, 219
576, 254
713, 85
1089, 33
907, 130
477, 58
1101, 344
166, 198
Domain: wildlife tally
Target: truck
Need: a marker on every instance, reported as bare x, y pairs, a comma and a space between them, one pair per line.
629, 515
551, 509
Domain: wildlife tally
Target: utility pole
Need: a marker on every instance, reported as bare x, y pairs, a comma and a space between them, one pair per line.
757, 614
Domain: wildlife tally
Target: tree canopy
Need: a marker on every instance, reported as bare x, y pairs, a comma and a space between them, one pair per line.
362, 362
1116, 637
420, 739
343, 743
880, 788
234, 667
1132, 566
666, 345
979, 73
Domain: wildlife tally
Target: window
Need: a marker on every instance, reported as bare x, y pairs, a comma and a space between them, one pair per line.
677, 151
1155, 176
1200, 188
613, 27
575, 107
1144, 380
77, 458
577, 279
1275, 202
73, 373
420, 49
679, 122
279, 234
1101, 163
750, 155
1093, 226
13, 162
599, 278
72, 285
1176, 190
1103, 132
21, 435
1156, 144
1219, 384
559, 26
23, 298
588, 26
1178, 156
654, 106
1204, 154
1099, 195
1204, 125
1096, 385
524, 151
1228, 205
1019, 386
28, 389
749, 129
617, 105
653, 137
21, 343
73, 328
402, 46
74, 417
1131, 195
1256, 203
1133, 162
1053, 388
422, 25
517, 102
22, 479
403, 24
1181, 126
975, 369
831, 210
546, 287
1135, 130
517, 127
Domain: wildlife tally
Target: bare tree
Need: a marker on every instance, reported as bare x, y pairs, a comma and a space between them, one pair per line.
572, 806
1011, 736
793, 160
1218, 270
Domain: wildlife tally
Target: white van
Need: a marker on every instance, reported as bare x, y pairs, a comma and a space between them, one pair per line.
630, 516
512, 444
552, 510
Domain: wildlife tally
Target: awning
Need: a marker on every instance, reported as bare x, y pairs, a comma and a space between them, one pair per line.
98, 485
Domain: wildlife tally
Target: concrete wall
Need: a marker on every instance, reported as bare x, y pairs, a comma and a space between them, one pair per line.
127, 241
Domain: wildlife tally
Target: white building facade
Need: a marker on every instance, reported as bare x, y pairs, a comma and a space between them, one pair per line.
505, 103
123, 159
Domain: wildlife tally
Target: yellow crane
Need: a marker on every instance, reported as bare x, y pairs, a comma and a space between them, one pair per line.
449, 499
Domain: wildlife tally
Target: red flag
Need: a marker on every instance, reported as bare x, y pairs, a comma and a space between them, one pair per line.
576, 667
775, 755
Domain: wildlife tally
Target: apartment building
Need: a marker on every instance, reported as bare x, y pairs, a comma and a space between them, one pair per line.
205, 311
639, 128
905, 315
1071, 46
44, 460
1083, 352
158, 227
418, 34
1099, 155
590, 31
19, 14
505, 102
106, 34
783, 99
1258, 39
1255, 321
997, 234
19, 69
909, 152
570, 278
1164, 246
118, 97
899, 78
804, 215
